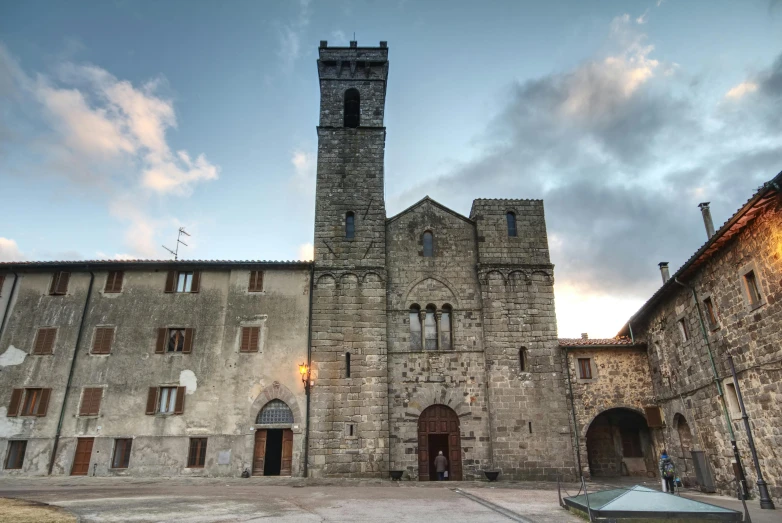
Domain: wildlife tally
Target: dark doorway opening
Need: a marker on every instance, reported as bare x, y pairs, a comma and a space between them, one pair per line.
619, 444
437, 443
271, 466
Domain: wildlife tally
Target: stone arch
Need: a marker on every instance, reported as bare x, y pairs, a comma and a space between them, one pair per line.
443, 281
371, 276
327, 281
277, 391
493, 277
547, 278
517, 277
423, 399
439, 432
624, 406
684, 433
619, 443
348, 278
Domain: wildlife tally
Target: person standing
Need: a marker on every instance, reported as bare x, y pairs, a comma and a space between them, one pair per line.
440, 465
667, 471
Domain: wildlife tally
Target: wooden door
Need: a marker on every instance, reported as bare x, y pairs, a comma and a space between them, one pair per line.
439, 419
287, 452
260, 452
81, 460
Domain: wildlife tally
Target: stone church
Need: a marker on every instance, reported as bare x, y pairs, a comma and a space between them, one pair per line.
407, 335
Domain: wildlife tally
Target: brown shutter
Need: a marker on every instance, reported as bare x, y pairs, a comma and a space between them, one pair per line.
171, 281
118, 279
160, 348
97, 343
86, 399
245, 347
114, 281
188, 345
254, 335
16, 402
97, 395
53, 286
179, 405
195, 285
40, 340
152, 400
43, 403
251, 287
62, 282
108, 339
49, 347
653, 417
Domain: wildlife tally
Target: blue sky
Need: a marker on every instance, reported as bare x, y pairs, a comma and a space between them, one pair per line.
121, 121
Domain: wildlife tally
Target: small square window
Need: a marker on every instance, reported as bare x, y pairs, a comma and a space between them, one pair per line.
711, 313
121, 458
101, 344
44, 341
196, 457
250, 337
59, 284
585, 368
15, 457
683, 331
752, 288
32, 401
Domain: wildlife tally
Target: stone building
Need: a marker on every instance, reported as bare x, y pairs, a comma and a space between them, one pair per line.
423, 332
726, 299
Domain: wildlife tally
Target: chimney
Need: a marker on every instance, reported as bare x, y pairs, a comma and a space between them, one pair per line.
584, 336
707, 219
664, 271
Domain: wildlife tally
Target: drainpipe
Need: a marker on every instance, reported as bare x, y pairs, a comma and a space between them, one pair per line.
573, 412
70, 374
309, 371
736, 455
8, 306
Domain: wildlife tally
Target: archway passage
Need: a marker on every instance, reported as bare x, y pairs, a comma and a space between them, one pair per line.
273, 451
619, 444
438, 430
685, 446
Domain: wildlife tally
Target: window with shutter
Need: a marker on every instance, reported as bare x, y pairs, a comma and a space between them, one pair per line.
172, 400
152, 395
585, 368
90, 401
184, 281
188, 346
43, 405
256, 281
179, 404
196, 456
16, 402
171, 281
114, 282
104, 337
15, 457
2, 281
44, 341
36, 402
176, 340
196, 285
121, 458
250, 337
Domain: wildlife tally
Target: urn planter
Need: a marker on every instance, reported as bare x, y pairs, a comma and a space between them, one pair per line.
491, 475
396, 475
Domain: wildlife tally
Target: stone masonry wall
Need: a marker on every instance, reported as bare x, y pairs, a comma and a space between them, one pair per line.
681, 370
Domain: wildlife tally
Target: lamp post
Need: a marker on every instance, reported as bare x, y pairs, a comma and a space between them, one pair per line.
304, 370
765, 499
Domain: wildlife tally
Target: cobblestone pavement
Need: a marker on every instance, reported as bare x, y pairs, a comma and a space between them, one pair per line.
261, 499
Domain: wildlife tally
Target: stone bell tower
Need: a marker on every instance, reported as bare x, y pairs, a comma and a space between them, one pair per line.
349, 407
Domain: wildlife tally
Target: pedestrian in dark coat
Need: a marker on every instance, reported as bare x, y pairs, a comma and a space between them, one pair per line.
667, 471
441, 465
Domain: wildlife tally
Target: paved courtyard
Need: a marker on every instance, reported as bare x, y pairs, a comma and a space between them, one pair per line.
208, 500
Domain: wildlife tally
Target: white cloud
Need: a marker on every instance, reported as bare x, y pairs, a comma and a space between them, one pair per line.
304, 172
742, 89
339, 37
289, 36
9, 250
306, 252
643, 18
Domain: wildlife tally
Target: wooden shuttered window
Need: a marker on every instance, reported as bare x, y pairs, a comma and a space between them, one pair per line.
179, 404
183, 281
152, 397
196, 456
171, 281
60, 283
174, 340
90, 401
44, 340
188, 348
585, 368
196, 285
16, 402
114, 282
250, 338
256, 281
104, 337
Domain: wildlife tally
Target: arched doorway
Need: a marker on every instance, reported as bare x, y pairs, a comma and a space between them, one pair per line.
619, 444
685, 443
438, 430
273, 452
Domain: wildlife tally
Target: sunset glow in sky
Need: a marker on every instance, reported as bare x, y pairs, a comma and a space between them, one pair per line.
122, 121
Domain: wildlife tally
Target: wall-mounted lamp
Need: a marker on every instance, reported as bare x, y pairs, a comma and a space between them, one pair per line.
304, 370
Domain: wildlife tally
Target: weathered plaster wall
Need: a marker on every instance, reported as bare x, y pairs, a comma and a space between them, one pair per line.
752, 335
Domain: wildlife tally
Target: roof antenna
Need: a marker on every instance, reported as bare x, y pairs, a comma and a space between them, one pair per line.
354, 36
178, 241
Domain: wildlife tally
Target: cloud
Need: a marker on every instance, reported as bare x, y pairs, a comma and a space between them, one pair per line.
741, 89
304, 171
621, 148
306, 252
9, 250
289, 36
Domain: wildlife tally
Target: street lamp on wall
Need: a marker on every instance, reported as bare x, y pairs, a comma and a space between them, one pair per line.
304, 370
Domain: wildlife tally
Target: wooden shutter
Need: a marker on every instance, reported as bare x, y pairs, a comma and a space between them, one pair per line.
104, 336
86, 399
256, 281
60, 283
250, 339
44, 340
171, 281
43, 403
16, 402
53, 286
179, 405
90, 401
195, 285
653, 417
2, 280
152, 400
188, 345
162, 335
114, 281
251, 287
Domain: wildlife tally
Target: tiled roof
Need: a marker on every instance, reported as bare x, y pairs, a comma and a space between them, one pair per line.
149, 263
424, 200
596, 342
754, 206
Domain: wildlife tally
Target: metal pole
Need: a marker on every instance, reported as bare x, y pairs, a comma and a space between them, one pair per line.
765, 499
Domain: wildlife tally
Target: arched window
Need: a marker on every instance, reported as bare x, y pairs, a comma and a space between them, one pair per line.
350, 225
428, 244
511, 217
352, 108
347, 364
430, 328
446, 338
523, 359
274, 412
415, 327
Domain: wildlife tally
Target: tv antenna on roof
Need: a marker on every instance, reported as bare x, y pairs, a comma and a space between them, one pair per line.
178, 241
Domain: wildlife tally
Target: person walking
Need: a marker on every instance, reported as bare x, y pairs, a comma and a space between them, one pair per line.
667, 471
440, 465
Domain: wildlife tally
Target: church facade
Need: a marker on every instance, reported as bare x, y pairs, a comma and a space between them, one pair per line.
408, 335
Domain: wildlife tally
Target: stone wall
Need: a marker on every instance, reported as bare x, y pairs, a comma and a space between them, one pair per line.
682, 371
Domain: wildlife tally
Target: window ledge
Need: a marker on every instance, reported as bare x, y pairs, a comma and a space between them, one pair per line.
753, 308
